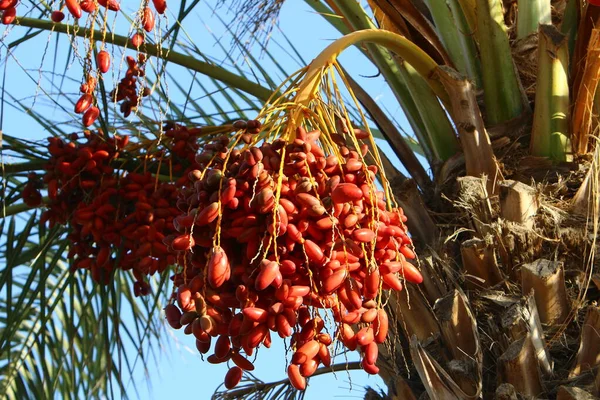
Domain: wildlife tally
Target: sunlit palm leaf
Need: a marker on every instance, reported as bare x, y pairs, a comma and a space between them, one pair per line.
63, 331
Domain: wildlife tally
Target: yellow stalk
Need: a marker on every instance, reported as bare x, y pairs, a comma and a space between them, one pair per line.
315, 101
421, 106
406, 49
320, 66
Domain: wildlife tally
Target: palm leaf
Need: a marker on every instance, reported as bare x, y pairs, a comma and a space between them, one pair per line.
49, 308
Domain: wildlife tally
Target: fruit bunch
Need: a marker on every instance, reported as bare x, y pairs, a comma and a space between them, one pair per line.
31, 191
123, 226
85, 104
78, 7
127, 86
126, 91
273, 238
117, 218
77, 171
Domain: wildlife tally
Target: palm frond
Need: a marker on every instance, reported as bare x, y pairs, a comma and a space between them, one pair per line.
60, 331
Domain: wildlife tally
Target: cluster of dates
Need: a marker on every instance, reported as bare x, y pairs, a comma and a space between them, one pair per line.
272, 236
31, 191
127, 92
85, 104
116, 218
77, 7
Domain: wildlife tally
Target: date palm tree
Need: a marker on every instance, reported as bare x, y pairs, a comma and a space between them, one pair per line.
500, 191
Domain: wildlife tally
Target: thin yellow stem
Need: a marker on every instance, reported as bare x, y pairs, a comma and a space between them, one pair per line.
403, 47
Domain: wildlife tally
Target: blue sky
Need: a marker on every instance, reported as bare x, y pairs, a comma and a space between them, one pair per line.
180, 371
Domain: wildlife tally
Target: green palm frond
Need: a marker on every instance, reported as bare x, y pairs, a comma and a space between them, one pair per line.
59, 332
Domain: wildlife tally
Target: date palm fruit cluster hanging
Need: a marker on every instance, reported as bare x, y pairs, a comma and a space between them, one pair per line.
282, 229
130, 89
77, 8
127, 91
117, 218
97, 62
